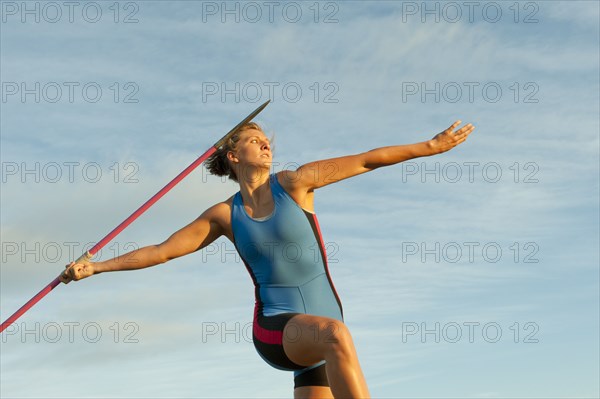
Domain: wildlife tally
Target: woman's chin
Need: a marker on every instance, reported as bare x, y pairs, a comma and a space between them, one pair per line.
266, 162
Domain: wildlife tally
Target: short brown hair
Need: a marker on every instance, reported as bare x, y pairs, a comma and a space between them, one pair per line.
218, 164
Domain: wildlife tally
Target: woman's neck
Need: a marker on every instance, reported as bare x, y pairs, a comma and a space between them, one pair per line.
255, 190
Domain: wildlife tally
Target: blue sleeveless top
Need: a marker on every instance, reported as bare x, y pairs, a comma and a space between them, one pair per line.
285, 256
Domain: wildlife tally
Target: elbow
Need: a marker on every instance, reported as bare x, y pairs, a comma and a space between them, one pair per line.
374, 159
161, 255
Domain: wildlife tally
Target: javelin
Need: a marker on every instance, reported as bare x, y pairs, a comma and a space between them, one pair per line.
88, 254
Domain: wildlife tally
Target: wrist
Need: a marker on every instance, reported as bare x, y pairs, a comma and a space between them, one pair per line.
430, 148
97, 267
433, 147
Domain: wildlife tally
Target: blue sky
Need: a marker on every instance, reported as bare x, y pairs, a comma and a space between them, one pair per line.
470, 274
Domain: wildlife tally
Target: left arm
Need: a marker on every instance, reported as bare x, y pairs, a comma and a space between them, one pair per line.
317, 174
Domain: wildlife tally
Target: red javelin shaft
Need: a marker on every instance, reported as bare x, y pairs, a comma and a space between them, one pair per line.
132, 217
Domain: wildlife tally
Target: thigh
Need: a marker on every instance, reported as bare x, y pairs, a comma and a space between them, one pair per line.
308, 338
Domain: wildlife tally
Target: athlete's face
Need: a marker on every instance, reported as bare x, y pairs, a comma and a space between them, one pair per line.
253, 148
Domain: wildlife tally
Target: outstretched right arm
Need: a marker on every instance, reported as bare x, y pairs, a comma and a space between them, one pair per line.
201, 232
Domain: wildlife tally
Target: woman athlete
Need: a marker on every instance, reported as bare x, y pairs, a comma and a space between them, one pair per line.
298, 323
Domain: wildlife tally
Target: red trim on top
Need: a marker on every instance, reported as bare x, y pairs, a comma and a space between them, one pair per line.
322, 244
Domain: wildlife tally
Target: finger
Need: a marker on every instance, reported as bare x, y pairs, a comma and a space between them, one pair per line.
454, 125
77, 273
65, 278
465, 130
461, 137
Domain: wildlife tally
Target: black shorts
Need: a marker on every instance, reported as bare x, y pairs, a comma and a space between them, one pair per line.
267, 335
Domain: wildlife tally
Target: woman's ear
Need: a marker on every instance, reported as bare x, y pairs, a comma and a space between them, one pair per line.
231, 156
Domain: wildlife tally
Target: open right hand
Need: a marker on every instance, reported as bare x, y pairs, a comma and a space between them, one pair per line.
450, 138
77, 271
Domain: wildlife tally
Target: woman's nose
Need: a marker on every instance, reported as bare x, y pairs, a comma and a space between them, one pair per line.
265, 146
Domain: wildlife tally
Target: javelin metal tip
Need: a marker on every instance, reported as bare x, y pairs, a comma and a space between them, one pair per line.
247, 119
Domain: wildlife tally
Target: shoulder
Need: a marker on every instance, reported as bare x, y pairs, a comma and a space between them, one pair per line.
297, 188
220, 215
290, 180
219, 210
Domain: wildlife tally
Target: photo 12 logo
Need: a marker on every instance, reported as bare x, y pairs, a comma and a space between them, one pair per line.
470, 171
71, 332
454, 332
68, 171
468, 251
53, 12
291, 252
252, 92
69, 92
471, 92
470, 11
270, 11
53, 251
